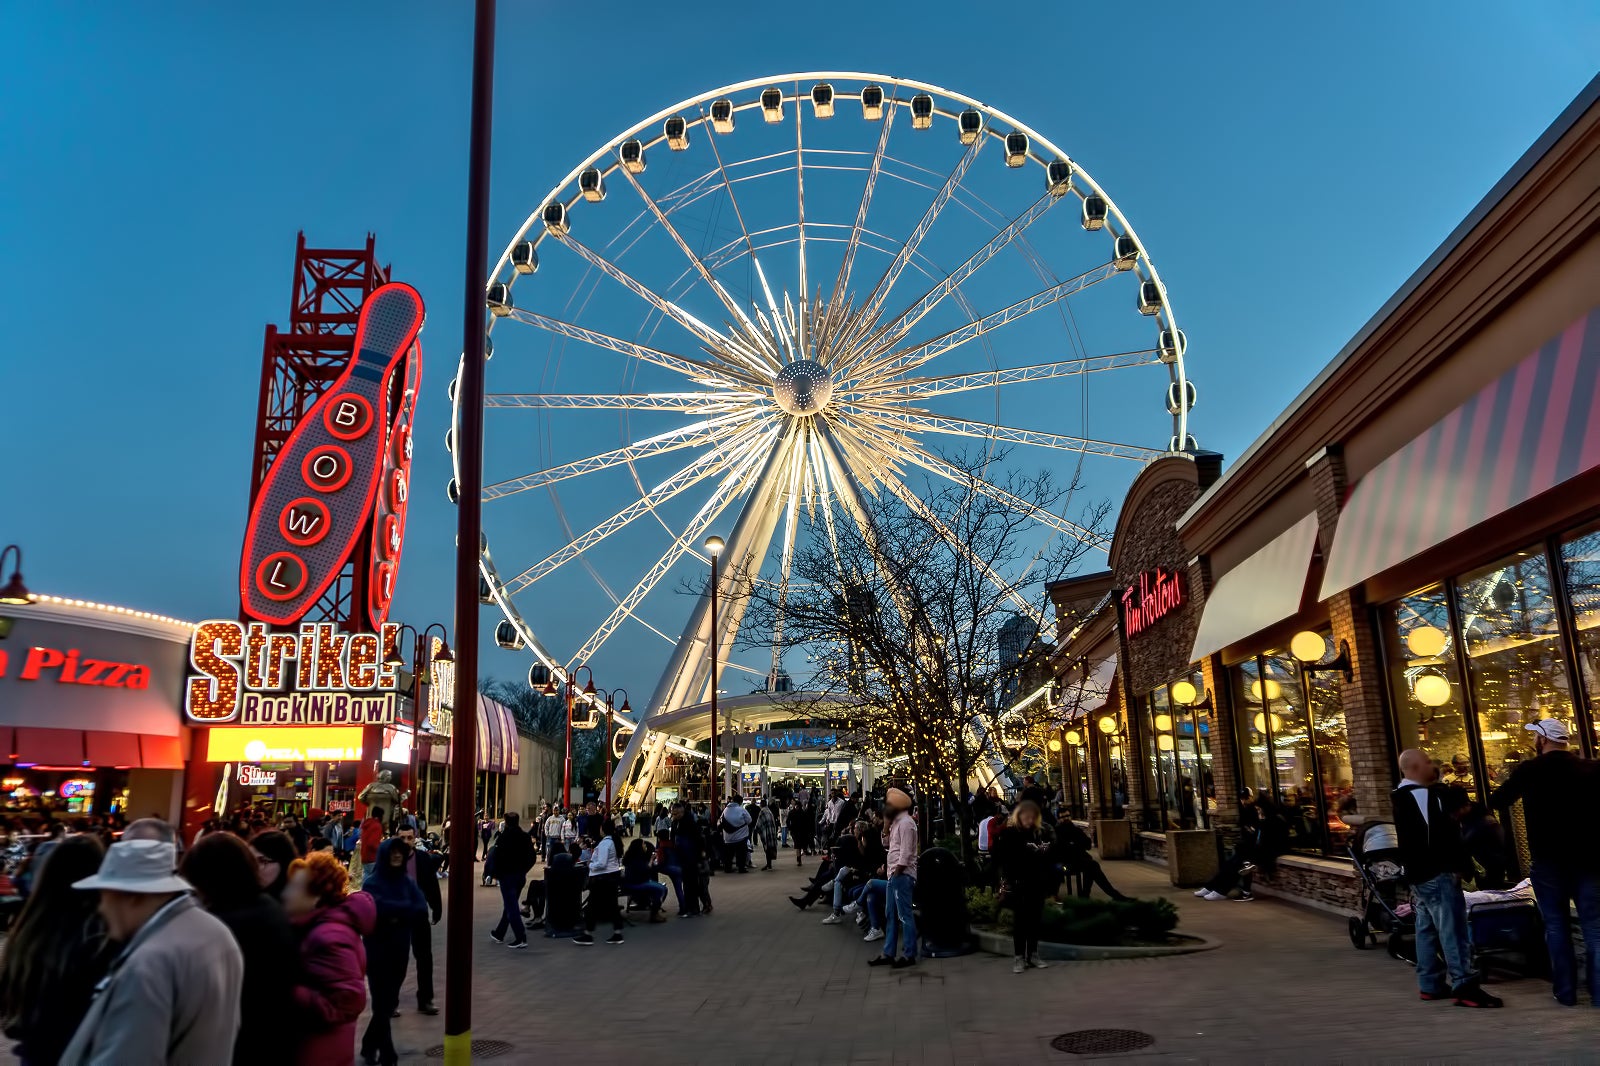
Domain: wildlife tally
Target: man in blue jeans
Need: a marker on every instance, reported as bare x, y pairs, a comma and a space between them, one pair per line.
1560, 794
1434, 857
513, 858
902, 869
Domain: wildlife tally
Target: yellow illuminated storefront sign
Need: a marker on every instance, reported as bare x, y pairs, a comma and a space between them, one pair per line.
284, 744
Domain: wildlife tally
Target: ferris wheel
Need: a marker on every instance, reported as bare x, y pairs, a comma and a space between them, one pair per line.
757, 307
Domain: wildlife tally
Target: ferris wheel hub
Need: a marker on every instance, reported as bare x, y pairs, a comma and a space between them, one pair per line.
803, 387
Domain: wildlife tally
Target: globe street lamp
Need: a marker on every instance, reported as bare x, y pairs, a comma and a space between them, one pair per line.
15, 593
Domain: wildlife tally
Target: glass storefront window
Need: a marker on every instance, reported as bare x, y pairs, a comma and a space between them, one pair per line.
1510, 634
1425, 685
1179, 754
1580, 564
1277, 753
1163, 758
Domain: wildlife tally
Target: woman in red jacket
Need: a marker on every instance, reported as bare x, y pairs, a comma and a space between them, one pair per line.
332, 990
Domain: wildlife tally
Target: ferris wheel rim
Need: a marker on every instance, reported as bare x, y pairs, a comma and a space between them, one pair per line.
1177, 370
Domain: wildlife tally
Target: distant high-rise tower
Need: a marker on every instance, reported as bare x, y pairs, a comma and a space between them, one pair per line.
1016, 636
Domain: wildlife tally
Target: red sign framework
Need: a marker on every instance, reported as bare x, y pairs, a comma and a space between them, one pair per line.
1155, 595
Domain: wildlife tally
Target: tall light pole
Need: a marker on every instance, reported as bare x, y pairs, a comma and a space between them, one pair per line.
611, 708
422, 660
714, 549
588, 693
469, 534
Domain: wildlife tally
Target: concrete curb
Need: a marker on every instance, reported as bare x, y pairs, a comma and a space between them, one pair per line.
1000, 944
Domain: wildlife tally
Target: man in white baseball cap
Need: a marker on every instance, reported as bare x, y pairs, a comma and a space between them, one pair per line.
1560, 794
172, 995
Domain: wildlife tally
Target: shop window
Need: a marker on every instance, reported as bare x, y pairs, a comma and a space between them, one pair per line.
1163, 758
1295, 751
1510, 637
1425, 685
1580, 562
1179, 755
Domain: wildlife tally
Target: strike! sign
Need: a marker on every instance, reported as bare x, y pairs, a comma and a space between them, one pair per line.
249, 675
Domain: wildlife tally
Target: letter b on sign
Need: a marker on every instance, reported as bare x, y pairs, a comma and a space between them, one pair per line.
348, 416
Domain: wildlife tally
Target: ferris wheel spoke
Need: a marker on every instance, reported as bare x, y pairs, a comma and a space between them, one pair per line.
1083, 535
895, 363
885, 284
702, 402
800, 185
694, 369
732, 483
842, 285
701, 469
926, 513
903, 323
1055, 441
694, 435
764, 362
901, 390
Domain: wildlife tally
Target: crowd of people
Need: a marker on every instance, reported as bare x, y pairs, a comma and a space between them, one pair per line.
869, 869
256, 944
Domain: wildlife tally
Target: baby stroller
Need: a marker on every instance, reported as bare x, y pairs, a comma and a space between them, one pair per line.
1376, 854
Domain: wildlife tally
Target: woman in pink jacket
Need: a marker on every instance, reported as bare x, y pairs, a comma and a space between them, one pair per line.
331, 992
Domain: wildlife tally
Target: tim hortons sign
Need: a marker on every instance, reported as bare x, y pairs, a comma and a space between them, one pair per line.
1156, 594
248, 675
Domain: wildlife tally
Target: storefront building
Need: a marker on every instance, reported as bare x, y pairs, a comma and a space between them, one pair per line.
1408, 557
91, 720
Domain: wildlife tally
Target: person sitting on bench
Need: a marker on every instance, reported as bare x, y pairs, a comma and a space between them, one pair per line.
638, 881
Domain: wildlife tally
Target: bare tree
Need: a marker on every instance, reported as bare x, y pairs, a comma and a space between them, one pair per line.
900, 614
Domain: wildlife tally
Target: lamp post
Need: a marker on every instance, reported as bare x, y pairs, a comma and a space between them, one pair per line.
15, 593
714, 549
588, 692
422, 660
611, 708
469, 547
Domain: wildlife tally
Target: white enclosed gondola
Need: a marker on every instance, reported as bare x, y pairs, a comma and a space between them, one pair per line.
452, 490
450, 440
772, 105
1059, 177
1016, 148
485, 592
632, 154
488, 348
1178, 402
592, 184
450, 392
872, 103
921, 111
507, 636
1149, 298
722, 116
499, 299
1125, 253
1188, 444
822, 100
555, 218
677, 133
969, 125
525, 258
1095, 210
1173, 345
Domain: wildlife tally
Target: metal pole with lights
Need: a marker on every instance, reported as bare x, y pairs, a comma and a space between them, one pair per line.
610, 699
588, 693
714, 549
15, 593
469, 546
422, 660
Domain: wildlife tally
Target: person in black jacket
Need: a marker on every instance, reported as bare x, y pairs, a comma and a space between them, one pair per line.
222, 869
1027, 876
1434, 857
1073, 851
423, 868
1560, 794
509, 865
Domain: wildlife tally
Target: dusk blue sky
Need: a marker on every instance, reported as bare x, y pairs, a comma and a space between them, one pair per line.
1286, 171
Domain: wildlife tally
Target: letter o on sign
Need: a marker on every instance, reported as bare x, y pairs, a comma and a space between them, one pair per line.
348, 416
328, 468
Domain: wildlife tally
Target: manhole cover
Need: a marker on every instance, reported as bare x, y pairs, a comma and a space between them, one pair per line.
481, 1049
1102, 1041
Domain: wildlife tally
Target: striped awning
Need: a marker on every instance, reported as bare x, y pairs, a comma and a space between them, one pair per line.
497, 737
1524, 434
1261, 591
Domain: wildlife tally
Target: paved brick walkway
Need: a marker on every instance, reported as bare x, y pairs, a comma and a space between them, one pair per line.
761, 983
